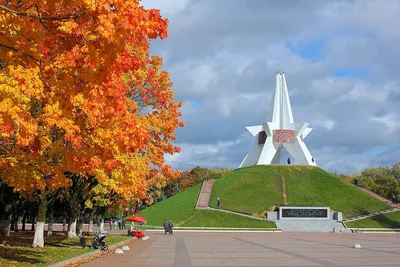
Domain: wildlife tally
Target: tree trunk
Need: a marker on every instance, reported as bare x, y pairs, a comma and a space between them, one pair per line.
38, 239
80, 226
71, 227
65, 226
12, 223
91, 216
33, 224
23, 221
33, 221
50, 222
6, 226
16, 222
102, 222
90, 229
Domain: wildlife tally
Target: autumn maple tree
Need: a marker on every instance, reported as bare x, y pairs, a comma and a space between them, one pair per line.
81, 93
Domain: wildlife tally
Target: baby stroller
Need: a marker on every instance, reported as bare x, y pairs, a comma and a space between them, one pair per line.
98, 242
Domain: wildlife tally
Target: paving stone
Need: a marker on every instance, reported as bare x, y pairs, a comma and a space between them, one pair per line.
258, 249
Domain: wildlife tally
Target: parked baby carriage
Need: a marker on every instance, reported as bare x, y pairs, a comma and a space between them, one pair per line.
98, 242
138, 234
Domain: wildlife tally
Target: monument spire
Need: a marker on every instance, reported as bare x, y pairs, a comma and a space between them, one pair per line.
279, 131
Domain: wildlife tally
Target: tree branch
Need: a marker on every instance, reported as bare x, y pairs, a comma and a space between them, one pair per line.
66, 17
16, 50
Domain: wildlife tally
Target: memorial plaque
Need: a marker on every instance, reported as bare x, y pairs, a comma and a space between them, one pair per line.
304, 213
284, 136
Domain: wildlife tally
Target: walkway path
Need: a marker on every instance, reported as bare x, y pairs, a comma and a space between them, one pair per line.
257, 249
370, 215
204, 196
396, 207
387, 201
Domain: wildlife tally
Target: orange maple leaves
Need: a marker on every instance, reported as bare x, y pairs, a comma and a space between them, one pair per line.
80, 92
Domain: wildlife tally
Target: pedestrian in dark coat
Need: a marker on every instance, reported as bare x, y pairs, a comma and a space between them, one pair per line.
170, 225
166, 226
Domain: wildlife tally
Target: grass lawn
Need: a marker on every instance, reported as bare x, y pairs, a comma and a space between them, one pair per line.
212, 218
316, 187
387, 220
258, 189
249, 190
181, 210
177, 208
17, 250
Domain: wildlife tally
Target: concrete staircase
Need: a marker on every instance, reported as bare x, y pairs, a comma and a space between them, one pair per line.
310, 226
204, 196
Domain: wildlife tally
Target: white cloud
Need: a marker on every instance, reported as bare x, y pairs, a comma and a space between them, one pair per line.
224, 54
365, 92
204, 155
328, 124
167, 8
391, 121
201, 76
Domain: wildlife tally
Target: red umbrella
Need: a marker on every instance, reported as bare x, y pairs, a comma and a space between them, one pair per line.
136, 219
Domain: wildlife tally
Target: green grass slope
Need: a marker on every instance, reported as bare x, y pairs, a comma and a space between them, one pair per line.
177, 208
212, 218
181, 210
387, 220
258, 189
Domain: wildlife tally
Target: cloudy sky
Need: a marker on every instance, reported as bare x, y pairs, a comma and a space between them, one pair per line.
342, 65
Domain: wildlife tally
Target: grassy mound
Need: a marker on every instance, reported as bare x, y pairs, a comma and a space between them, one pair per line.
258, 189
212, 218
181, 210
387, 220
177, 208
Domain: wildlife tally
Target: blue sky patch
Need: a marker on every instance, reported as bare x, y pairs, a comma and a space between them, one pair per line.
311, 50
378, 150
197, 103
350, 72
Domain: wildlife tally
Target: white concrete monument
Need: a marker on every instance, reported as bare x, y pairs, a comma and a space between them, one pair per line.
279, 132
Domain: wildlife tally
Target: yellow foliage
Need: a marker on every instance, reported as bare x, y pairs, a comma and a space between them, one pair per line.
68, 26
78, 100
67, 97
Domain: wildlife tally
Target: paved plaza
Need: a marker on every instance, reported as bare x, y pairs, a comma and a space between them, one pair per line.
183, 249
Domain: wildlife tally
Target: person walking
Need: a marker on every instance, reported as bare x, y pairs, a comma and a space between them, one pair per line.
110, 223
166, 226
288, 161
170, 226
218, 203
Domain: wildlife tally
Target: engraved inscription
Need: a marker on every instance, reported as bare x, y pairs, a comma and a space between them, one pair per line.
304, 213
